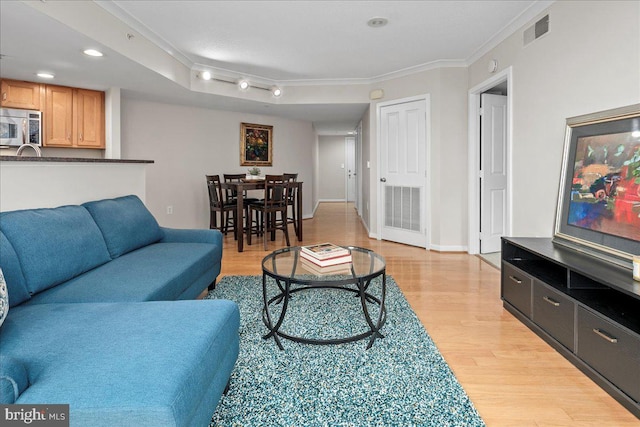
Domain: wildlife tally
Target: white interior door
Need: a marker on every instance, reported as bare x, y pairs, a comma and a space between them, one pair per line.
403, 172
350, 156
493, 174
359, 169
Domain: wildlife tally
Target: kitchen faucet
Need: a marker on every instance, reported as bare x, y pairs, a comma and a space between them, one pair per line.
34, 146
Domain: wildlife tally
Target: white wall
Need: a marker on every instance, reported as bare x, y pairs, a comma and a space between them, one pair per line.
331, 156
188, 143
28, 185
589, 61
447, 88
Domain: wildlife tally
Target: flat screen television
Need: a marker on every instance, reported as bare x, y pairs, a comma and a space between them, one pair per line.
599, 198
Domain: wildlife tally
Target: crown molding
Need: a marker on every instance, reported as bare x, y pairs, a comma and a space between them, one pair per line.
145, 31
527, 15
518, 22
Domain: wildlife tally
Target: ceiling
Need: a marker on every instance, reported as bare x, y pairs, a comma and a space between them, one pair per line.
285, 43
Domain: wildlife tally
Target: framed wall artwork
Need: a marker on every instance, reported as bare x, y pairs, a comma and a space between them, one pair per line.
599, 199
256, 145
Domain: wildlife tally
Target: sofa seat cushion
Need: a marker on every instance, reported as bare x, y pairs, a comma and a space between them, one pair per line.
119, 364
54, 245
125, 222
158, 272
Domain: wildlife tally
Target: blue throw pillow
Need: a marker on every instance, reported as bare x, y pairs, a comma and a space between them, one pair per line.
126, 224
13, 380
4, 299
10, 265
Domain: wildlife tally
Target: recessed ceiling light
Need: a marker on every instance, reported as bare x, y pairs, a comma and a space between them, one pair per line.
243, 85
205, 75
92, 52
45, 75
377, 22
276, 91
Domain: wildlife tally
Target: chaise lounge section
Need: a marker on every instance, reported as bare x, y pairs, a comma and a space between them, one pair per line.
102, 316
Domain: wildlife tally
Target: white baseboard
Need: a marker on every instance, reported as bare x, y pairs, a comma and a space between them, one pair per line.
449, 248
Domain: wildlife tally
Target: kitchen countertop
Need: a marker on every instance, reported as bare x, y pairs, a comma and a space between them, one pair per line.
67, 160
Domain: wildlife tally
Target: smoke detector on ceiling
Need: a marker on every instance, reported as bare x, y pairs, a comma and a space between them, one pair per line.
377, 22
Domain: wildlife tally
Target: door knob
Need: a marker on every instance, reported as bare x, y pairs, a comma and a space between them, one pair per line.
383, 179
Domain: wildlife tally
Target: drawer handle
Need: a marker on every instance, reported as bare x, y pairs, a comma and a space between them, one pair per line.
515, 279
551, 301
605, 335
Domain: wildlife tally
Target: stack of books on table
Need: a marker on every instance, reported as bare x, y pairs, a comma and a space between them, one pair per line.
325, 258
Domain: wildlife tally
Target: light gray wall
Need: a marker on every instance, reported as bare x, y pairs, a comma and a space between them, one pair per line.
331, 156
589, 61
187, 143
447, 90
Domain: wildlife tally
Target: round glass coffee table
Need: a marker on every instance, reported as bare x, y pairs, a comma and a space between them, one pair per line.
285, 273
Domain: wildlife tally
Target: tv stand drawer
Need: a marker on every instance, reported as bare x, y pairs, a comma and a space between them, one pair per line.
516, 288
610, 350
554, 312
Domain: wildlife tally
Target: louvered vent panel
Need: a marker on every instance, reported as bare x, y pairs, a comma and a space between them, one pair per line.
402, 207
537, 30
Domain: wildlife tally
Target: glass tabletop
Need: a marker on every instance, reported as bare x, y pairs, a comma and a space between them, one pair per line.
287, 263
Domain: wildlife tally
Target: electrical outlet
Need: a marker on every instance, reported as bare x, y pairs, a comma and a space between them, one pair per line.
169, 210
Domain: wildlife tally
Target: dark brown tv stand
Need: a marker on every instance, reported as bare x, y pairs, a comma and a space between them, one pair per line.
585, 308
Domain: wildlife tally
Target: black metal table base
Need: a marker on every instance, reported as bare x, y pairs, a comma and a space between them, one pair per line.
286, 291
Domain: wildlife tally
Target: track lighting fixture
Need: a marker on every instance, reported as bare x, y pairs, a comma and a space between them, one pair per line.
243, 84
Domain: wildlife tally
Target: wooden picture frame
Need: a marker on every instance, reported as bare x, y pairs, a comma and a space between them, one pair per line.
256, 145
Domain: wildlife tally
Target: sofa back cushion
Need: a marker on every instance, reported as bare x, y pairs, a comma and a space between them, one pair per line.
10, 266
54, 245
126, 224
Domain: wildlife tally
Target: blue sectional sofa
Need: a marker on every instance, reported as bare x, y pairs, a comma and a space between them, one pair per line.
102, 316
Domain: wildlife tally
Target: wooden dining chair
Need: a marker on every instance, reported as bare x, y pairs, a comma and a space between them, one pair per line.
292, 201
276, 191
219, 204
232, 194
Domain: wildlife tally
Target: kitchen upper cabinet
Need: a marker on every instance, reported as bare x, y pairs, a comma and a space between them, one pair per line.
19, 94
88, 107
58, 117
74, 118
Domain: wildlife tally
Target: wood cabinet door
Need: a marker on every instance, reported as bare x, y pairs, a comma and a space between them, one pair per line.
58, 117
88, 107
19, 94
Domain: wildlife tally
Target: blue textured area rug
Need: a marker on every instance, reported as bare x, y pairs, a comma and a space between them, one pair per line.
401, 381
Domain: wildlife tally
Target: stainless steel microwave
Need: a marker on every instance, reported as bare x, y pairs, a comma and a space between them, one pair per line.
19, 127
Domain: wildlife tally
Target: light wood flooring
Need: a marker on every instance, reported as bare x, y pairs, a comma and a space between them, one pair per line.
512, 376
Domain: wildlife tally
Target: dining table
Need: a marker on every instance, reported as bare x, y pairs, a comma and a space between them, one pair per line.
258, 184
